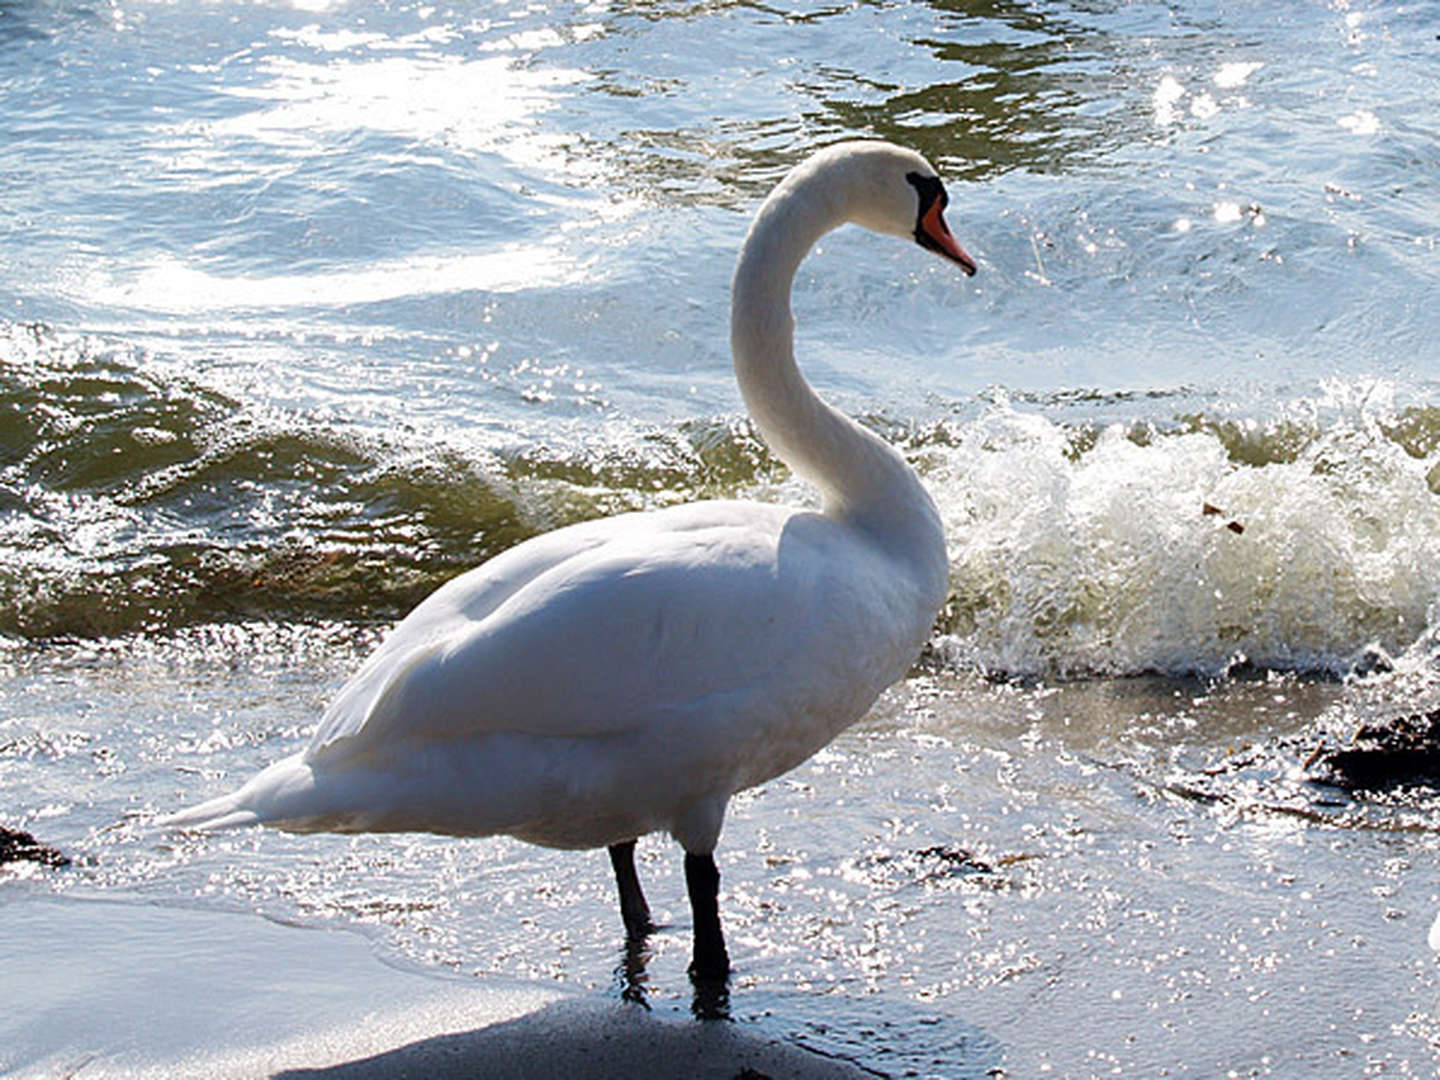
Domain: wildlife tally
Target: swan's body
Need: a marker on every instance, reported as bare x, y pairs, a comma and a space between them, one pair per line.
607, 680
628, 675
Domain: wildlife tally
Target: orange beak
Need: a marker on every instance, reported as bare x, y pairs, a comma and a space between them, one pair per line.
934, 234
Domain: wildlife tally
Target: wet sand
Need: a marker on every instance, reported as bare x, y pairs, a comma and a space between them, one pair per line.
102, 988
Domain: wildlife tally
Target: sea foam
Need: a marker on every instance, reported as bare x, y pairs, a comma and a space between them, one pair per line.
1298, 543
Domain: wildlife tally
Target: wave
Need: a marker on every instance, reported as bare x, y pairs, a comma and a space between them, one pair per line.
135, 498
1306, 541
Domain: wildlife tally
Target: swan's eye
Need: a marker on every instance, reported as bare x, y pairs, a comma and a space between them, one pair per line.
929, 188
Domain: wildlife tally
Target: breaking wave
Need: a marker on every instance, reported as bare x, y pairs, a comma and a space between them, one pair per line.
135, 499
1306, 541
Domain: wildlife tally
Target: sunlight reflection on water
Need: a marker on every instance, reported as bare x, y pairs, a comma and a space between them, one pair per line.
349, 296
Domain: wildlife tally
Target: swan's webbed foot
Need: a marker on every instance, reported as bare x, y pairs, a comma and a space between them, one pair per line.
633, 908
710, 961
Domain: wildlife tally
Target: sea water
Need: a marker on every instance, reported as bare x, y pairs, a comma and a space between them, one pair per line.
307, 308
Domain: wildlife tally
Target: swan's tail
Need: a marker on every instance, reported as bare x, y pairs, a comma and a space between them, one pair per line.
274, 794
430, 789
223, 812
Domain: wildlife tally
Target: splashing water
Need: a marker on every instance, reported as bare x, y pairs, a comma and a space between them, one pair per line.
1300, 543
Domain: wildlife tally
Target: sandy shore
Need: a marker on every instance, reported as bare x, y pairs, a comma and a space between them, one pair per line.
97, 988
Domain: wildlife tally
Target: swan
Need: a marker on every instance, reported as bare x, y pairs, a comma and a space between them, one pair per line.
628, 675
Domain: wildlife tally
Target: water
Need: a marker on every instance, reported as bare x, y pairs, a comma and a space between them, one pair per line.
307, 308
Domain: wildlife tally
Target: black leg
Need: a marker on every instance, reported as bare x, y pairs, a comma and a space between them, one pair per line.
633, 908
702, 880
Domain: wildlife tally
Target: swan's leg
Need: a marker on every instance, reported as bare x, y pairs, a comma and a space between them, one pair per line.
633, 908
702, 881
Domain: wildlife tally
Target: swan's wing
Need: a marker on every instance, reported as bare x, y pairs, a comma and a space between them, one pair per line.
458, 604
634, 621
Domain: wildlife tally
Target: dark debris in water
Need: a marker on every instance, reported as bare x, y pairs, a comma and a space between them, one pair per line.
930, 864
956, 860
1384, 755
16, 845
1386, 776
1209, 510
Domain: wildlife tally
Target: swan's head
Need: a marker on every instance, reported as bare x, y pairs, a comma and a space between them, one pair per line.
896, 191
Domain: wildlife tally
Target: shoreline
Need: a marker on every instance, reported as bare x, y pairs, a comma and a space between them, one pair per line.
976, 881
140, 990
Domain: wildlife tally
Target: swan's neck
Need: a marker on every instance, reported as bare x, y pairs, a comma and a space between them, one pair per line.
862, 478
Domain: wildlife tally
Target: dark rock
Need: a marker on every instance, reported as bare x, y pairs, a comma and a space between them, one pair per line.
17, 845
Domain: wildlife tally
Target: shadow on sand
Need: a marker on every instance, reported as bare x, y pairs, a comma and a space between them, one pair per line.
587, 1038
580, 1038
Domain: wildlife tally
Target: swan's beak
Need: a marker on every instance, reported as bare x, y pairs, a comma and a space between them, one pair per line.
934, 234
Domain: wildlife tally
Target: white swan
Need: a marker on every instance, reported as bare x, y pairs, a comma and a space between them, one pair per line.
626, 675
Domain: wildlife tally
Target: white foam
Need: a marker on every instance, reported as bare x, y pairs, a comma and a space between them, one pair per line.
1106, 560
